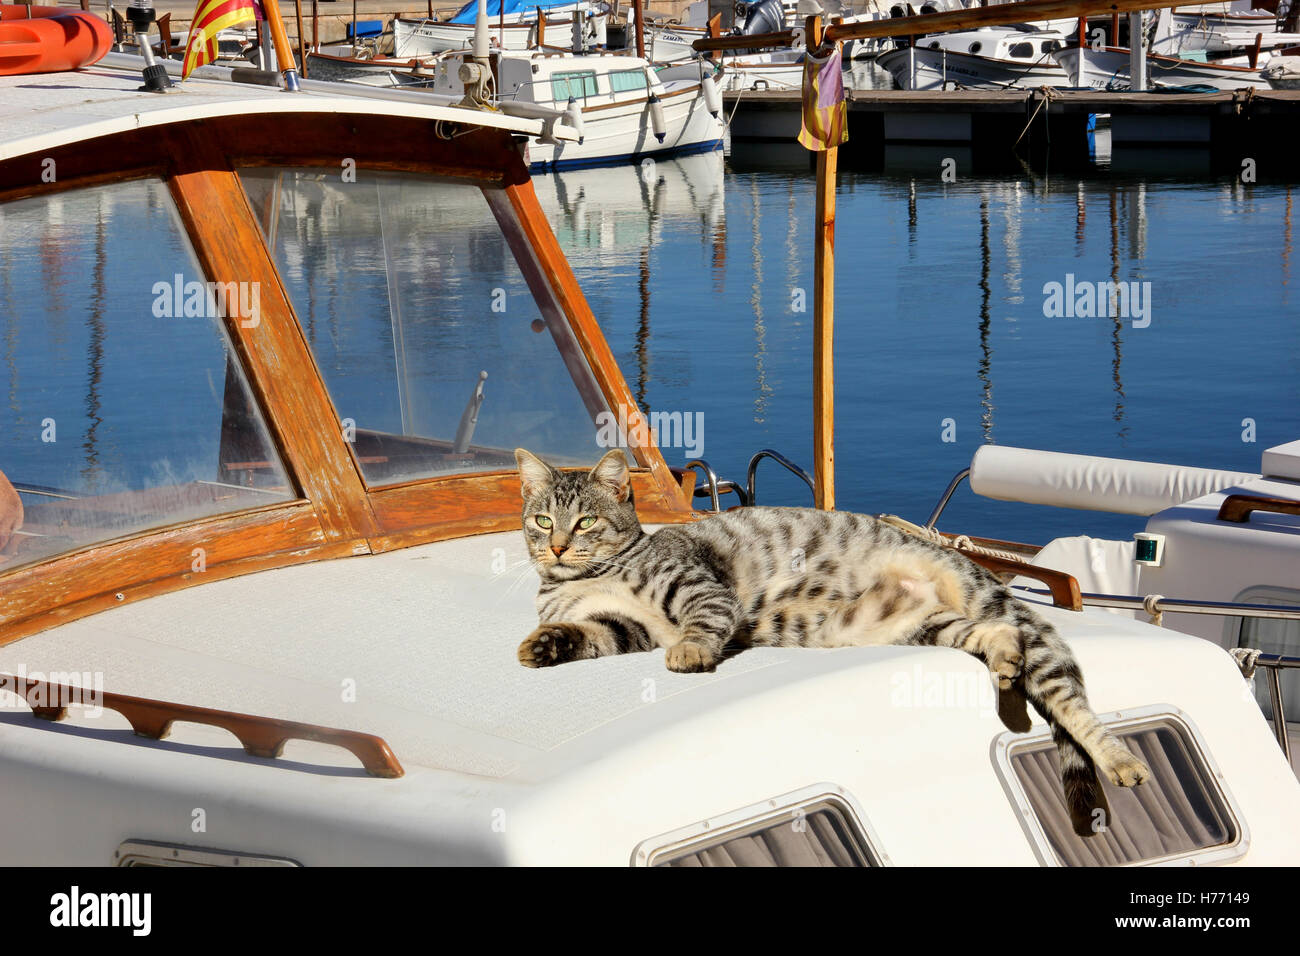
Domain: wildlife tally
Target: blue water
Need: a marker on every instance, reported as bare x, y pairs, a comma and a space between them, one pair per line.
700, 272
940, 316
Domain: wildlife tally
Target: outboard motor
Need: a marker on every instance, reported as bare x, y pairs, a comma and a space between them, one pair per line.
765, 16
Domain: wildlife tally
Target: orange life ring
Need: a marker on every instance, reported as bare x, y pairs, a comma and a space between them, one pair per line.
49, 39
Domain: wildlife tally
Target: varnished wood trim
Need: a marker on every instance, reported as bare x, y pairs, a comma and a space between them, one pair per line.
641, 101
483, 504
535, 241
1238, 508
274, 352
259, 736
1063, 587
110, 574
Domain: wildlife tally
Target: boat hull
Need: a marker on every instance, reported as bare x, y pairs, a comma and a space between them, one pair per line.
939, 69
1108, 69
427, 37
621, 132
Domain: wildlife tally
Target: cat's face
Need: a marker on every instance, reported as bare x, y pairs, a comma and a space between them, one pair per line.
572, 519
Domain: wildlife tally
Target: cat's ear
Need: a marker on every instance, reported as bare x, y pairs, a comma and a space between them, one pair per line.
534, 474
611, 472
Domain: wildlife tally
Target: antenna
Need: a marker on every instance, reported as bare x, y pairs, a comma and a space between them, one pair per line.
142, 16
476, 73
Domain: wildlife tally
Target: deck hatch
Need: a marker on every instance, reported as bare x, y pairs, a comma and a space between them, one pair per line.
1182, 814
152, 853
819, 826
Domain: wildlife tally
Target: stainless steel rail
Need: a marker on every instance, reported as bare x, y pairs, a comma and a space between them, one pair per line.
943, 502
716, 486
780, 459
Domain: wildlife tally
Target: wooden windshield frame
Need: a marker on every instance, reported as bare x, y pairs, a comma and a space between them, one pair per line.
336, 515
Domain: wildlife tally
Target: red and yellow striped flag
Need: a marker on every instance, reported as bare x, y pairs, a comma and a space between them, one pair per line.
825, 112
210, 18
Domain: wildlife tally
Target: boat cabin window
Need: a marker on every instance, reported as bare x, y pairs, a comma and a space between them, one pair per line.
125, 408
620, 81
1022, 51
433, 349
975, 47
579, 85
1048, 46
1180, 812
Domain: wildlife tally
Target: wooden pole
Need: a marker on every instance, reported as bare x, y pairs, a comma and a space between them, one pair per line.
302, 49
639, 10
279, 39
541, 29
1114, 29
354, 22
315, 27
824, 314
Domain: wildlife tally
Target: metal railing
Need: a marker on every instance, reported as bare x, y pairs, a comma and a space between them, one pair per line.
715, 486
780, 459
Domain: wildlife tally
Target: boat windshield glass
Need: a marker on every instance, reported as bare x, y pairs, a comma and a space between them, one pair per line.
124, 406
434, 351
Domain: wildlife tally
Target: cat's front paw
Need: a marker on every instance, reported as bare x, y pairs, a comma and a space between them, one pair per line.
551, 644
689, 658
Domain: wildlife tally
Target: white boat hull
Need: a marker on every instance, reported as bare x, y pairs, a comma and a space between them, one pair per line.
613, 133
928, 69
418, 38
1108, 69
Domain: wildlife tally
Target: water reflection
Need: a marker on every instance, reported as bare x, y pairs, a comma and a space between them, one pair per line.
920, 264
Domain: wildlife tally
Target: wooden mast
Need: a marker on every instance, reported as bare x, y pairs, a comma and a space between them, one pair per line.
823, 313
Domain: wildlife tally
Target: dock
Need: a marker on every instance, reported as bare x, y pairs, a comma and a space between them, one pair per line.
1047, 124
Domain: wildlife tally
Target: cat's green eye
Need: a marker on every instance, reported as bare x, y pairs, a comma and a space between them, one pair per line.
586, 523
542, 521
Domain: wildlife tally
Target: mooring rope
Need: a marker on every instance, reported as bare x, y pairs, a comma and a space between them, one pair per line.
1049, 94
959, 542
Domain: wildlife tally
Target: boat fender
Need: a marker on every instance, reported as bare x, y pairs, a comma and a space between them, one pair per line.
574, 114
657, 122
50, 39
712, 98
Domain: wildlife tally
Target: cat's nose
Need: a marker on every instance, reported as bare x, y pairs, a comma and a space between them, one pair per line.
559, 549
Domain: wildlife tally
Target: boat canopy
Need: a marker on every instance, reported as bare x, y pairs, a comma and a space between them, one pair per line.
467, 13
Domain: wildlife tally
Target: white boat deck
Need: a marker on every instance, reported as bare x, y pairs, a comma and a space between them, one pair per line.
429, 636
60, 108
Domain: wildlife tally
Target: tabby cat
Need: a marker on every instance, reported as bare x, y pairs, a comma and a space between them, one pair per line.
792, 577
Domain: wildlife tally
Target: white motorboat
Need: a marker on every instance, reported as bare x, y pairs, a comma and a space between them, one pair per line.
1283, 72
513, 29
989, 58
1108, 69
626, 109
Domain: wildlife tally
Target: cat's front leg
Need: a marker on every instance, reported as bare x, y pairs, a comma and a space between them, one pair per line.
709, 616
557, 642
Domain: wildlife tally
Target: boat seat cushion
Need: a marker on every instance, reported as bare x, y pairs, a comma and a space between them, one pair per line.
1101, 566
